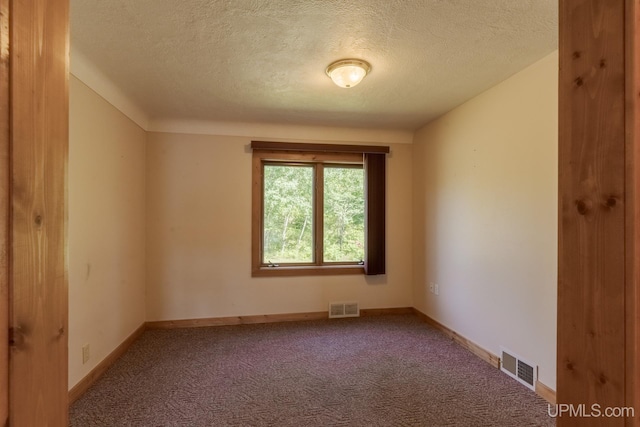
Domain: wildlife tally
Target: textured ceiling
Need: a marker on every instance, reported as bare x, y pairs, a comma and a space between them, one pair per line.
264, 61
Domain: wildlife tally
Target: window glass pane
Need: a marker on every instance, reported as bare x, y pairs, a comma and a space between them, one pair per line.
288, 214
343, 214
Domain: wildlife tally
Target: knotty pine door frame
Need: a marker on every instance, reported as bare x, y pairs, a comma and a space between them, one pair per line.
632, 225
598, 357
4, 212
34, 134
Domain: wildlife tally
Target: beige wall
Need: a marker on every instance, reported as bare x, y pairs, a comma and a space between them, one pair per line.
199, 237
106, 228
485, 208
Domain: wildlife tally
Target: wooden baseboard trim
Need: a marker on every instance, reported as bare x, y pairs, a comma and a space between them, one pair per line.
474, 348
365, 312
267, 318
236, 320
84, 384
545, 392
541, 389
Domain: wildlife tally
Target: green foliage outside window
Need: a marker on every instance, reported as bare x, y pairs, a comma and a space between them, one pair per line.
343, 214
288, 214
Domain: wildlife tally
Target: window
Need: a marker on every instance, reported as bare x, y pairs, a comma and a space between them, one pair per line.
313, 210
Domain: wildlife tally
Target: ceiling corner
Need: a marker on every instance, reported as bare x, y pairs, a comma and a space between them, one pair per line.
90, 75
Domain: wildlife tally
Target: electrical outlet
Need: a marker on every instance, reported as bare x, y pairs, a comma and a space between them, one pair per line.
436, 289
86, 354
431, 287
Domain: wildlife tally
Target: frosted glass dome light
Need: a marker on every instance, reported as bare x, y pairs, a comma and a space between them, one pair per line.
348, 72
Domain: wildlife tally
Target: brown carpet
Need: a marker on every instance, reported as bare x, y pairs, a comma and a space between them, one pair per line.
372, 371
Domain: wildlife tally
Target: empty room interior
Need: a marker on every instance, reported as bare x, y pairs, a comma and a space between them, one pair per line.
166, 101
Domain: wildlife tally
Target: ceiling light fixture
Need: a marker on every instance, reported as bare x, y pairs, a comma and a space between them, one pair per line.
348, 72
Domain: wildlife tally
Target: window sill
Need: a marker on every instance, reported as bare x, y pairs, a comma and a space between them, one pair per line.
330, 270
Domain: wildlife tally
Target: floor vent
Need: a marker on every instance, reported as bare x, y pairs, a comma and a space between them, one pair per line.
343, 309
523, 371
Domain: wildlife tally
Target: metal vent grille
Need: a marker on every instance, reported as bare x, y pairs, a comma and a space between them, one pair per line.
509, 363
525, 372
351, 309
336, 310
513, 365
343, 309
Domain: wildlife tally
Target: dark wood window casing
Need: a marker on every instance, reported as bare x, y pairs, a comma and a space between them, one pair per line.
375, 209
373, 160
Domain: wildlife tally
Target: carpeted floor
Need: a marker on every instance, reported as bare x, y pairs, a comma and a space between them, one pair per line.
370, 371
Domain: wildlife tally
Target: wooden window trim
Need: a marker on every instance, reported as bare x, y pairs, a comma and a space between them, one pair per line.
266, 152
310, 270
318, 148
318, 214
